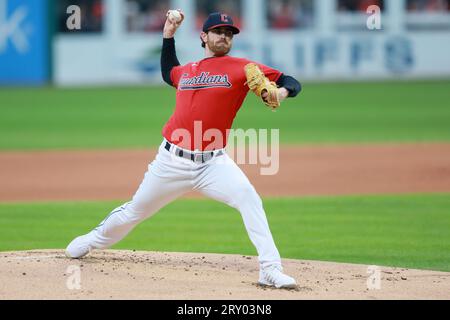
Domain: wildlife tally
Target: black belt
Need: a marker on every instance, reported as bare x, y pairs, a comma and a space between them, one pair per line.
197, 157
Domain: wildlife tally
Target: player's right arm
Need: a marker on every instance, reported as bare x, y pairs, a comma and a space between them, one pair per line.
169, 58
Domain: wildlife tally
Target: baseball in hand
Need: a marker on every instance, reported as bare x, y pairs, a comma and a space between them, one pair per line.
175, 15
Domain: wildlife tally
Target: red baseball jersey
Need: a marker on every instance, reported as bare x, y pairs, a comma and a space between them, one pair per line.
209, 94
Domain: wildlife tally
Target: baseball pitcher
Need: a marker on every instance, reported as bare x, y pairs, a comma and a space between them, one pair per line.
209, 91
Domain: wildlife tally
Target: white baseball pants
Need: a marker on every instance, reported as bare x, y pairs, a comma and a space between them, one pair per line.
168, 177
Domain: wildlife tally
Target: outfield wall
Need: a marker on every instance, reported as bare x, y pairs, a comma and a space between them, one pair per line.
136, 59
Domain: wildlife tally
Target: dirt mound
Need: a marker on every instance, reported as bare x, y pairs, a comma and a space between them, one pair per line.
303, 170
48, 274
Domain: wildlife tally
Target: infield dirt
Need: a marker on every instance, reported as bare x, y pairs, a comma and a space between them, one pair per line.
307, 170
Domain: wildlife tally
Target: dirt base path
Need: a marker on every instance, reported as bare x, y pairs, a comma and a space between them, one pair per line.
47, 274
312, 170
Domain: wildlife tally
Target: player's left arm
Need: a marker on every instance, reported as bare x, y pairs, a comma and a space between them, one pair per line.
287, 86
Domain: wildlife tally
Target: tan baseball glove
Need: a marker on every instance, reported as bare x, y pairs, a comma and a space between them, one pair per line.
259, 84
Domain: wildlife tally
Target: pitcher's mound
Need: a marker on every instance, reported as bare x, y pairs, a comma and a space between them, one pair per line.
112, 274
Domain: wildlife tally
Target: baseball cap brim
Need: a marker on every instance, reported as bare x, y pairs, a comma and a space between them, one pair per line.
233, 28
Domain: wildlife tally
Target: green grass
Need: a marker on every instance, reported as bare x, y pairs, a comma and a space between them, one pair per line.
406, 231
50, 118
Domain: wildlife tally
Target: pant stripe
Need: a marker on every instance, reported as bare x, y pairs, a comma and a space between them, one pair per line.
109, 215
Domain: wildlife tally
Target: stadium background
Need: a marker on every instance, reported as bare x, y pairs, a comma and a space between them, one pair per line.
99, 88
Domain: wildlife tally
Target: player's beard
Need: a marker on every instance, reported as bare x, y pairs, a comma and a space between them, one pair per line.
220, 47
